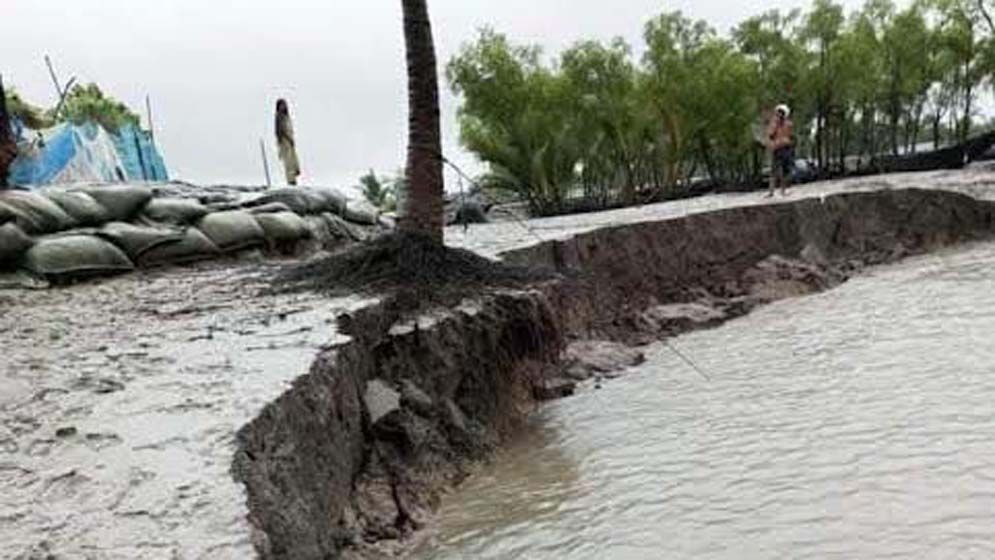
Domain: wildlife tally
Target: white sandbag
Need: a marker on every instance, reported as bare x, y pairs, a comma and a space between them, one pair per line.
34, 213
232, 231
269, 208
13, 244
319, 231
283, 227
361, 212
301, 201
177, 211
386, 222
195, 246
136, 240
80, 206
342, 229
22, 280
333, 200
122, 202
71, 256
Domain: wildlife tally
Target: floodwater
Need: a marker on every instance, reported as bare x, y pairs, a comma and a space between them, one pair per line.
856, 423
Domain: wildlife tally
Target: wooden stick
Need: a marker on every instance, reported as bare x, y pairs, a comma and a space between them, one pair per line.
148, 109
51, 72
262, 148
62, 99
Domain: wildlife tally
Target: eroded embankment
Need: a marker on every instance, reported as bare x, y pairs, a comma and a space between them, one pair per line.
354, 458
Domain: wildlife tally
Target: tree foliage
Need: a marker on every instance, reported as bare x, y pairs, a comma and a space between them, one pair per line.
596, 124
89, 104
380, 191
82, 104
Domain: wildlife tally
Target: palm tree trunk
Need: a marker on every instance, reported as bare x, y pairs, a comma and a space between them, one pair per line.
421, 207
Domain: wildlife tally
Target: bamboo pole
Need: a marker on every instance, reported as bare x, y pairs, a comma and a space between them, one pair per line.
51, 72
148, 110
262, 149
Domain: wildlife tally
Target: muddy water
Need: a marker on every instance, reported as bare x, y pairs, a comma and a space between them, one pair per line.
858, 423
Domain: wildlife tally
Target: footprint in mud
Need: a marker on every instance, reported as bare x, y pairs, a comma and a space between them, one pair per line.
40, 447
43, 394
162, 445
130, 503
21, 425
14, 475
99, 385
187, 405
64, 486
8, 446
98, 442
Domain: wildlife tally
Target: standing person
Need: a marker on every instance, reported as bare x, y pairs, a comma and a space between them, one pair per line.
8, 144
780, 136
285, 142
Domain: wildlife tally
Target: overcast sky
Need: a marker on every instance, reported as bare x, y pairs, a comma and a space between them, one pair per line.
214, 68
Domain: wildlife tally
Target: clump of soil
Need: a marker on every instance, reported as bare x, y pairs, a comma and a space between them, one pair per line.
411, 270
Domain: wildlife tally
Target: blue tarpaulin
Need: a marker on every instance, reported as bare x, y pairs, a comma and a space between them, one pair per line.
71, 153
140, 159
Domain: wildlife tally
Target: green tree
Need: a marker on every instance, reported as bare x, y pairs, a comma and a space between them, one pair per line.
378, 191
958, 34
515, 118
823, 27
90, 104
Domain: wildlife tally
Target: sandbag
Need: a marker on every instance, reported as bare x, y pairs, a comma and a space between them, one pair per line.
177, 211
135, 240
361, 212
121, 202
22, 280
271, 208
6, 215
34, 213
320, 232
387, 222
342, 229
232, 231
194, 246
79, 206
333, 200
71, 256
300, 201
283, 227
13, 244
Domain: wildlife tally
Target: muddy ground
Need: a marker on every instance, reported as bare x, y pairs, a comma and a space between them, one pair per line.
119, 400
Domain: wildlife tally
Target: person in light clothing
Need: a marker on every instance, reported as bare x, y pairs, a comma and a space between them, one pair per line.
285, 142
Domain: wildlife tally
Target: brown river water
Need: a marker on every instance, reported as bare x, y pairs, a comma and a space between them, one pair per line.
857, 423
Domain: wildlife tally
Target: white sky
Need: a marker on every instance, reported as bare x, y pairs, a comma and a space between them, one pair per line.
214, 68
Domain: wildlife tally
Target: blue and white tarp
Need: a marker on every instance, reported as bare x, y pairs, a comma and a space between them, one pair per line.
140, 158
85, 153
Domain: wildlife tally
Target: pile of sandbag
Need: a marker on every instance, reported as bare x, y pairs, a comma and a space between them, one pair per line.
72, 232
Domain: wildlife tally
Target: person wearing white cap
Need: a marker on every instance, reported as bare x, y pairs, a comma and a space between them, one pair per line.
780, 135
